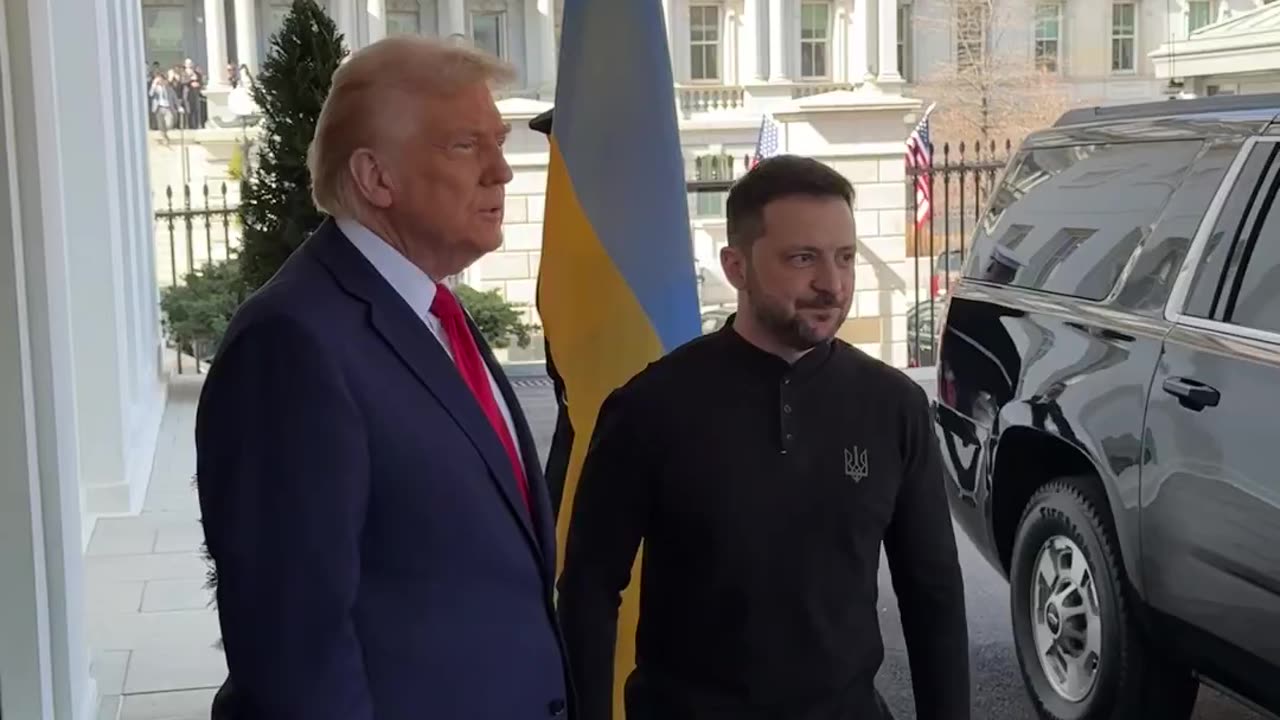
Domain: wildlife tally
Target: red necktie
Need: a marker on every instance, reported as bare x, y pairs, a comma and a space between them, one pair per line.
466, 355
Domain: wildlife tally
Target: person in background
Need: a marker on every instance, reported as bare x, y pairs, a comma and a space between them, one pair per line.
764, 466
164, 105
370, 491
193, 94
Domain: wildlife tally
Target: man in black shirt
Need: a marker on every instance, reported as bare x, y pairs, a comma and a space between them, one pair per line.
763, 466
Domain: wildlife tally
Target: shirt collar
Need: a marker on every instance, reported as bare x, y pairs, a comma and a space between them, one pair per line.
771, 364
408, 280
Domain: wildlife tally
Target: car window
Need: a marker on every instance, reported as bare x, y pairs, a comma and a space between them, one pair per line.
1160, 258
1251, 294
1243, 208
1066, 220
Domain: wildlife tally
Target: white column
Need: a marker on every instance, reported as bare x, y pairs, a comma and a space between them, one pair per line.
215, 42
376, 11
889, 72
146, 300
141, 289
247, 35
344, 14
749, 44
548, 52
731, 74
839, 47
90, 147
777, 42
453, 18
859, 70
44, 665
668, 22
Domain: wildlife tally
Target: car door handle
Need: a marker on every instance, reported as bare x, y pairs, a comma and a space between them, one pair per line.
1192, 394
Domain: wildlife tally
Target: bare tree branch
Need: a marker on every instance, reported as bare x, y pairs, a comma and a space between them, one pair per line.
987, 91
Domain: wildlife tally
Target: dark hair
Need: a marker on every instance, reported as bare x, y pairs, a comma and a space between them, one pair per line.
778, 177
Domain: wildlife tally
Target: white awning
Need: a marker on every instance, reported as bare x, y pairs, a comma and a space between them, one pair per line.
1246, 43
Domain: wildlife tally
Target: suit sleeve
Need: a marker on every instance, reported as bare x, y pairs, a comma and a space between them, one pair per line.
283, 479
921, 548
610, 511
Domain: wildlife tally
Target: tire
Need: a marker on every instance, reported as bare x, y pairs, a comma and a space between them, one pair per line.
1087, 620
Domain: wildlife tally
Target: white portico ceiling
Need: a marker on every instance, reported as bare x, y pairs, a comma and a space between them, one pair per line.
1246, 43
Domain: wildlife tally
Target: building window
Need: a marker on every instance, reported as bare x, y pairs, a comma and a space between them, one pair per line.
972, 18
1048, 38
704, 42
815, 40
904, 43
1123, 36
488, 32
710, 203
403, 17
164, 32
1199, 14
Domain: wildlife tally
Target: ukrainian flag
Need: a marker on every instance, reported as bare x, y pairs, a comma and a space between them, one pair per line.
616, 287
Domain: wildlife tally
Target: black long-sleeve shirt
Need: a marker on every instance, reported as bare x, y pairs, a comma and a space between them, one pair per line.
762, 491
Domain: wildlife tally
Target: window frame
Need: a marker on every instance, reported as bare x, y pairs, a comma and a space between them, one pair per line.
1179, 296
825, 43
404, 9
1056, 39
1209, 6
960, 12
718, 165
186, 21
906, 49
504, 44
1132, 37
716, 45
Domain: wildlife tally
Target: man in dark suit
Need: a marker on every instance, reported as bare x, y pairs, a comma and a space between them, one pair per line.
370, 492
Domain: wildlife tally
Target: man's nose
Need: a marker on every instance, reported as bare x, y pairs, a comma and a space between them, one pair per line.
499, 171
827, 276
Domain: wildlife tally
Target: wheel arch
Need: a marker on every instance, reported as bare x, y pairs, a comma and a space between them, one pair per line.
1027, 458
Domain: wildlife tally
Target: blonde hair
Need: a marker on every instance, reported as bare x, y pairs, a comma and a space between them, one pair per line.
404, 66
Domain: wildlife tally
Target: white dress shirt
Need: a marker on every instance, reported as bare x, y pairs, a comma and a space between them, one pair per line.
419, 291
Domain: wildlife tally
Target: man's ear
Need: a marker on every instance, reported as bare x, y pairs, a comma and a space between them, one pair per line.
370, 178
733, 261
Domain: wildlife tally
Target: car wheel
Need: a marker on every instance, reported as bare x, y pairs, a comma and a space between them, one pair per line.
1082, 654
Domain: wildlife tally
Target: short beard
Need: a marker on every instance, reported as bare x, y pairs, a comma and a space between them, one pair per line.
784, 324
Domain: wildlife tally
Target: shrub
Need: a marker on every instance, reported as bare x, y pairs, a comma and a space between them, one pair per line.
500, 322
197, 310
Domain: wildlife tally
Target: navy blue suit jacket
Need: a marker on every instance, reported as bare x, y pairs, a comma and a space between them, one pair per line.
375, 558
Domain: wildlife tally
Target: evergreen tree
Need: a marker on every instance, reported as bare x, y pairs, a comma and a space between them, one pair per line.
275, 205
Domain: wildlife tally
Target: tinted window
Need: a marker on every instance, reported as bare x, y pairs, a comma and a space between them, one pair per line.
1242, 207
1066, 220
1251, 295
1149, 282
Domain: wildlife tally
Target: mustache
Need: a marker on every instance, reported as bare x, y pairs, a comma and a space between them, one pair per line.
821, 300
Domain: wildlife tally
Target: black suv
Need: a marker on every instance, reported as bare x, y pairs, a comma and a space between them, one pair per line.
1108, 380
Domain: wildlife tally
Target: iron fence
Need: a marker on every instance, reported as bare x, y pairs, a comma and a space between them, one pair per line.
960, 182
197, 236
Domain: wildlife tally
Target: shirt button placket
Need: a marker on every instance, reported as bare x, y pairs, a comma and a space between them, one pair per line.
784, 417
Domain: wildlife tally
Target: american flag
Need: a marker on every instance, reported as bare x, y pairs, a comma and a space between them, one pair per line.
920, 158
767, 141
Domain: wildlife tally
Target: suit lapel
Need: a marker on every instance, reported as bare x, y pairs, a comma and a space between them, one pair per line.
393, 319
540, 498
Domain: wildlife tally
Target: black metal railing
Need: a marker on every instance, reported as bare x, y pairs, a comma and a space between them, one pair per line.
198, 235
960, 181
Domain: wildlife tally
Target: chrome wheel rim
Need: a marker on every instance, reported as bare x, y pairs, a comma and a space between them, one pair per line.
1065, 619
